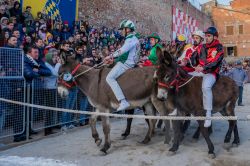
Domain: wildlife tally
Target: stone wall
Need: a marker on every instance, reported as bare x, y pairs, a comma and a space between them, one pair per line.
149, 15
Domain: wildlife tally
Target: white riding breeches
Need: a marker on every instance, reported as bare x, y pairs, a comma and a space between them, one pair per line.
207, 83
111, 79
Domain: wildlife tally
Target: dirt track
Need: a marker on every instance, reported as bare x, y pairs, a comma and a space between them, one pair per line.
78, 148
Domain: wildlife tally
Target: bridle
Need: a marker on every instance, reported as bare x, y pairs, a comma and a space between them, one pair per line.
176, 83
69, 80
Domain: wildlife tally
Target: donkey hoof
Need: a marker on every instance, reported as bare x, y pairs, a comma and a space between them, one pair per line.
124, 138
98, 142
104, 151
171, 153
145, 141
125, 135
211, 156
235, 145
227, 146
105, 148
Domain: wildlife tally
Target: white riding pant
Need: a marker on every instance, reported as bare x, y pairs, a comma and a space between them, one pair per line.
207, 83
115, 73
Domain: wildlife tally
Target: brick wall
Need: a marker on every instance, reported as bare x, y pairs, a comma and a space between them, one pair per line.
149, 15
241, 5
223, 18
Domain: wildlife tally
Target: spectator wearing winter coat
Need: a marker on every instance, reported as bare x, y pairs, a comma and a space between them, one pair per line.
50, 84
4, 23
11, 62
42, 32
27, 15
3, 12
16, 11
27, 43
56, 32
40, 45
16, 33
33, 67
238, 74
10, 27
23, 33
65, 34
4, 38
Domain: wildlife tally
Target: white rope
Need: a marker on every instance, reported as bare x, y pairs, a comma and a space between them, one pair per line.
186, 82
126, 115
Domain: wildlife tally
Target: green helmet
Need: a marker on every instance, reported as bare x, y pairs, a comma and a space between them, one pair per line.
127, 24
155, 35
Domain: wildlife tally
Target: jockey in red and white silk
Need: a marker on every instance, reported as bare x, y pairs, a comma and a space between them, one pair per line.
208, 58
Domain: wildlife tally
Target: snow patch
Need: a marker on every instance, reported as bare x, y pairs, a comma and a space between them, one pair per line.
31, 161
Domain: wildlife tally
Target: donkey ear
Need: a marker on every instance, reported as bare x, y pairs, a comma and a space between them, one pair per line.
167, 58
159, 54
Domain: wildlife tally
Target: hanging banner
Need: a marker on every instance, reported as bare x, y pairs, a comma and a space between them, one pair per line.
183, 24
65, 10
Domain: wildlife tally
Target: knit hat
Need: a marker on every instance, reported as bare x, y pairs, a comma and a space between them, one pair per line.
4, 18
48, 57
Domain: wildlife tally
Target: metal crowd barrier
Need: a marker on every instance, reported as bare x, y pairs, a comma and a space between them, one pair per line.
41, 119
12, 86
16, 120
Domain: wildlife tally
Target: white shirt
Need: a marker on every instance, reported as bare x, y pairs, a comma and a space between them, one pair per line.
132, 46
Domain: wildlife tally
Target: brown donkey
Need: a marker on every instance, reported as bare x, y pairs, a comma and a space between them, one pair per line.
188, 99
138, 86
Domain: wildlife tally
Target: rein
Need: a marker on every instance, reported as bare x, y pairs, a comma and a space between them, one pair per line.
96, 65
69, 80
176, 82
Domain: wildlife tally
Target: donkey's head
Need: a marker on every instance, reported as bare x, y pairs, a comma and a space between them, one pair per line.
165, 74
66, 73
176, 49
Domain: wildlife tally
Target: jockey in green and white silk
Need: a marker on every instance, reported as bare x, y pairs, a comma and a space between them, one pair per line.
126, 57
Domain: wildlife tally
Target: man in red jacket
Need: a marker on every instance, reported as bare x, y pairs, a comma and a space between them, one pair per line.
209, 63
188, 62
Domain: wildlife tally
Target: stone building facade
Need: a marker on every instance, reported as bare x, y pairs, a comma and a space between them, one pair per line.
233, 24
149, 15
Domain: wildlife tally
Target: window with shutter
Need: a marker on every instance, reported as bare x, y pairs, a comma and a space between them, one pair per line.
229, 30
240, 29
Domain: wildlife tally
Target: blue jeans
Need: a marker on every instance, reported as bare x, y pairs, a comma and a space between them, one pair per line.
240, 95
83, 107
70, 103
